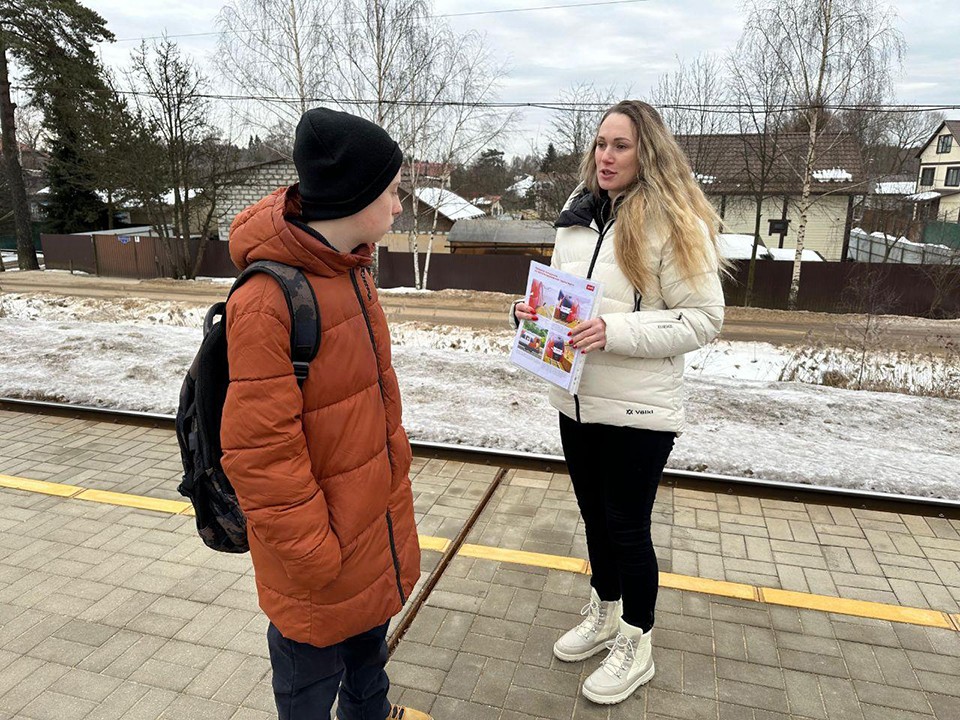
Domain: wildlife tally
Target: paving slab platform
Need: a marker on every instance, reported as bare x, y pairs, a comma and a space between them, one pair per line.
768, 609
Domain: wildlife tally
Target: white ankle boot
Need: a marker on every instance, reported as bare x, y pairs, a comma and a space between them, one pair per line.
628, 666
592, 635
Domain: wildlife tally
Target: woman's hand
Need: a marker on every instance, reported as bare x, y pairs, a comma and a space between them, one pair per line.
589, 335
523, 311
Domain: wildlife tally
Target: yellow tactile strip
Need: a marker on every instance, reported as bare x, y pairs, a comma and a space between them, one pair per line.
742, 591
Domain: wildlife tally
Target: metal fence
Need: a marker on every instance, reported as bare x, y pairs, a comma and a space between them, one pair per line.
894, 288
942, 233
834, 287
69, 252
880, 248
130, 256
494, 273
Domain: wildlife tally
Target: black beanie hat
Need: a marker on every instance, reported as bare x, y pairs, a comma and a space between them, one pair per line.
344, 163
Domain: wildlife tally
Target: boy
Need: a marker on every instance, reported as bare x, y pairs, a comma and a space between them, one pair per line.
322, 472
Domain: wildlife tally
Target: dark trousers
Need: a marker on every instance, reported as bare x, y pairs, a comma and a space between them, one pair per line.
307, 679
615, 473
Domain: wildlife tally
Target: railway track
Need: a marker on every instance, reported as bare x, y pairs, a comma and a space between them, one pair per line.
726, 484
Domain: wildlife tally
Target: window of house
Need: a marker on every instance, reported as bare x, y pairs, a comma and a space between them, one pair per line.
953, 177
944, 144
926, 177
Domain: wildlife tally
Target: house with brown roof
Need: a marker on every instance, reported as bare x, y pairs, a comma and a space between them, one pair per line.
937, 194
730, 167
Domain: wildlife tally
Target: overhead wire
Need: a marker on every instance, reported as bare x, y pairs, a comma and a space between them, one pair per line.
722, 108
434, 16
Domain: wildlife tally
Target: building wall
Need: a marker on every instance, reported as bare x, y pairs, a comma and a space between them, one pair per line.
198, 214
258, 182
739, 212
826, 222
939, 162
264, 179
950, 209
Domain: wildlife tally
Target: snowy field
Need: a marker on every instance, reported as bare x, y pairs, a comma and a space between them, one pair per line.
458, 388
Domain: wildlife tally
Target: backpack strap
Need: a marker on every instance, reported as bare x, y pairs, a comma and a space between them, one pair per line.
303, 307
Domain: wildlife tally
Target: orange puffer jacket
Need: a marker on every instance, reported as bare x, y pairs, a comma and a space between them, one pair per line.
323, 478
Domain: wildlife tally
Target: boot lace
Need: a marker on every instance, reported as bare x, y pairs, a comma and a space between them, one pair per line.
622, 653
396, 712
591, 624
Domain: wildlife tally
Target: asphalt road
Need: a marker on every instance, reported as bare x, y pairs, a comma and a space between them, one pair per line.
488, 310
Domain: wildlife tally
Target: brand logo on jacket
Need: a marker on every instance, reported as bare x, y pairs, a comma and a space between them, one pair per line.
631, 411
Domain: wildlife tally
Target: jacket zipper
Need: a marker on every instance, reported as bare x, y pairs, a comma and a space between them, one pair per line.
596, 250
376, 357
396, 560
363, 276
593, 262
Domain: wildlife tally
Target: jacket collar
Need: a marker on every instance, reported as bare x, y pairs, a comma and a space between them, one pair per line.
264, 232
586, 210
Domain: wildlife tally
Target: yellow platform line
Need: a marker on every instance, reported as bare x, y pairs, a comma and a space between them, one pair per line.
706, 586
107, 497
437, 544
857, 608
39, 486
522, 557
141, 502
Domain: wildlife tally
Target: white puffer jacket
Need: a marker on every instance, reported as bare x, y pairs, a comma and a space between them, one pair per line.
637, 380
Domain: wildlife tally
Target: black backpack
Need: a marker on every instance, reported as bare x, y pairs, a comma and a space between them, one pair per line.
220, 520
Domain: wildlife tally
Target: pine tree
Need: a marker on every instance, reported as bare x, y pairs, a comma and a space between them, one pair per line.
550, 159
44, 37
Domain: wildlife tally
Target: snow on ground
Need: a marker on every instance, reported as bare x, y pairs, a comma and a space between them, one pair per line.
458, 387
403, 291
137, 311
214, 280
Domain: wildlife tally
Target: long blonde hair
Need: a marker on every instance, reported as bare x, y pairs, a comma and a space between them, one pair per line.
667, 193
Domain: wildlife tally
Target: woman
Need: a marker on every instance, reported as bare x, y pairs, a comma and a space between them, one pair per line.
641, 226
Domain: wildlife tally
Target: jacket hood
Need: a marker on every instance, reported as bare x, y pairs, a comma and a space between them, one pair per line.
262, 232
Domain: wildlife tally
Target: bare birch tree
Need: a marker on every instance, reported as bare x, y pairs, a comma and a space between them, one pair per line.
465, 124
271, 49
686, 99
386, 60
379, 46
835, 53
574, 127
758, 87
423, 83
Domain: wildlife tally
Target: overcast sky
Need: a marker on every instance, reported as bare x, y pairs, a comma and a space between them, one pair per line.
629, 44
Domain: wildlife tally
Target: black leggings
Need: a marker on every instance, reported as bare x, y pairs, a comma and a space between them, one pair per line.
615, 473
